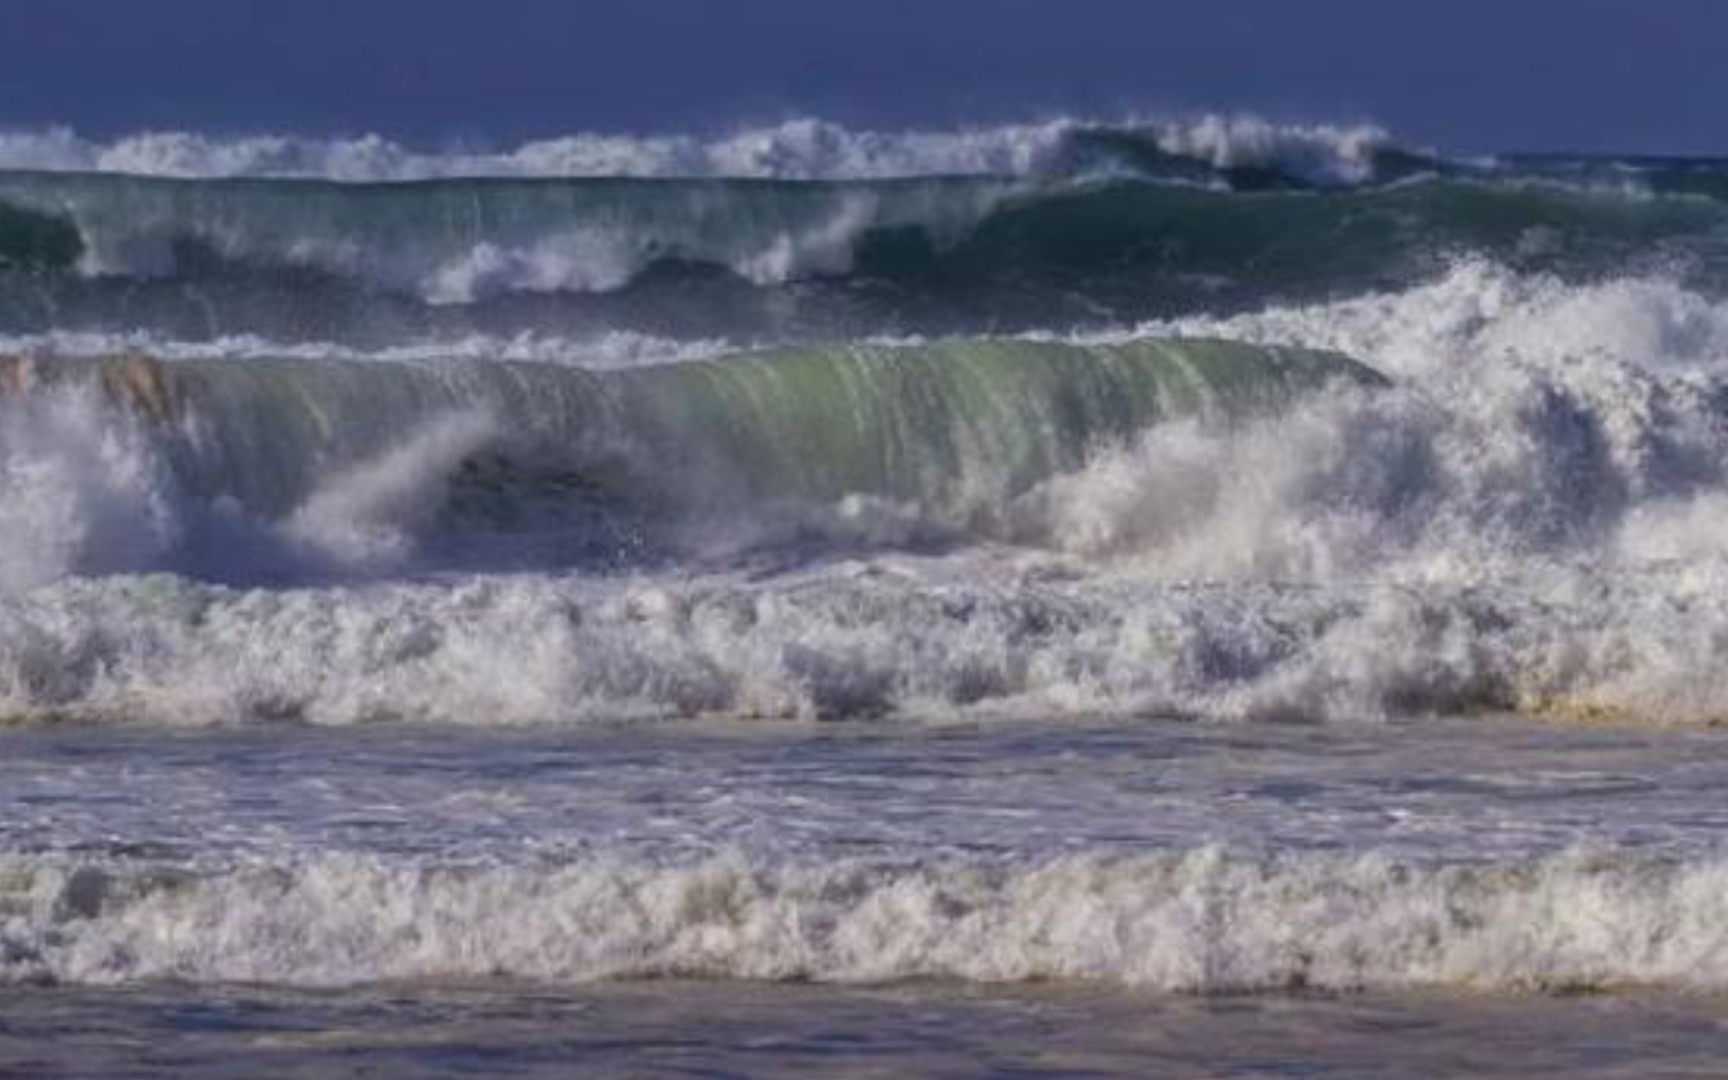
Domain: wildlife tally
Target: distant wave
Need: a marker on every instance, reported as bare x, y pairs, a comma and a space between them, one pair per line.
773, 259
603, 350
803, 149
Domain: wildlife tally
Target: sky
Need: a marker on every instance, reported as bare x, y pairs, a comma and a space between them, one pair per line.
1646, 76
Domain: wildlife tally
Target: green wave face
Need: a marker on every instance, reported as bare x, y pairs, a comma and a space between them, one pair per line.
953, 427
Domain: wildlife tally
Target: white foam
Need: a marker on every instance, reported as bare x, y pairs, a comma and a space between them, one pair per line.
1529, 518
369, 516
902, 640
799, 149
1207, 920
79, 493
1319, 153
1532, 425
1481, 315
601, 259
576, 262
610, 350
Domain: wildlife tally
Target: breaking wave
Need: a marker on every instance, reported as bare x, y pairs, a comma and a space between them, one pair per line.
1522, 514
370, 265
987, 636
1209, 420
804, 149
1207, 920
332, 451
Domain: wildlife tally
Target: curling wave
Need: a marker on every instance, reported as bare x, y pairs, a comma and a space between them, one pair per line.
1525, 517
356, 456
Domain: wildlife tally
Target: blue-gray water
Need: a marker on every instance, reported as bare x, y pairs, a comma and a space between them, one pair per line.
678, 1029
1178, 597
287, 903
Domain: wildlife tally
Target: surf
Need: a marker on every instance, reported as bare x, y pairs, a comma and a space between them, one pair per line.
947, 431
778, 261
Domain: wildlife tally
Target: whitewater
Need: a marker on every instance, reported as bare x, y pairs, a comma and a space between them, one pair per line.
1062, 562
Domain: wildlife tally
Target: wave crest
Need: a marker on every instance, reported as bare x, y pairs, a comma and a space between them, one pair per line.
800, 149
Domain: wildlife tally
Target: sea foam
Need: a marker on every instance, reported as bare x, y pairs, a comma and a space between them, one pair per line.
1205, 920
1525, 519
798, 149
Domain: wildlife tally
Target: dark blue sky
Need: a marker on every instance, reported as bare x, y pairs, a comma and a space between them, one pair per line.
1640, 75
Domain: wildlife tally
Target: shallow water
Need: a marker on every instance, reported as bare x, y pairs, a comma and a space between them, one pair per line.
682, 1029
1487, 788
1483, 856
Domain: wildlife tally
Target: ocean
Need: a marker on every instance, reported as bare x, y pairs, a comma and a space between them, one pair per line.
1143, 598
